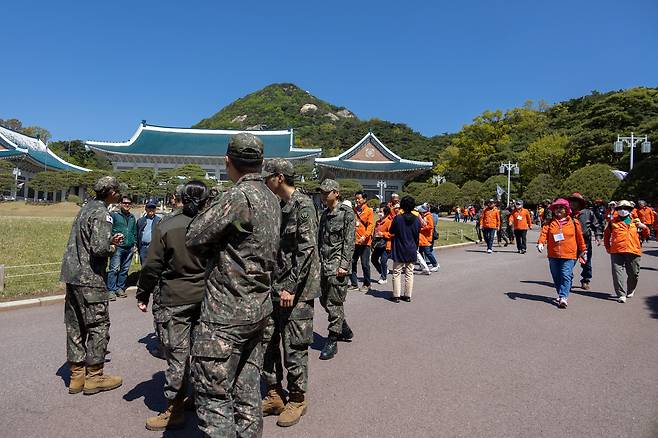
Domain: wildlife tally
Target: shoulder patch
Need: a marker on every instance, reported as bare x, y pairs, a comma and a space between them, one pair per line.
108, 218
304, 214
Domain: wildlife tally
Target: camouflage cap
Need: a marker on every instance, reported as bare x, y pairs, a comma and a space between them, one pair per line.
106, 183
329, 185
278, 165
245, 147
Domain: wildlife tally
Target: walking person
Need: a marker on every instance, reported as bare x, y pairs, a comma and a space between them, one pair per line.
647, 216
145, 227
503, 233
521, 221
296, 285
564, 238
124, 222
239, 236
425, 240
591, 227
622, 241
381, 245
336, 242
489, 223
405, 230
179, 277
365, 226
86, 313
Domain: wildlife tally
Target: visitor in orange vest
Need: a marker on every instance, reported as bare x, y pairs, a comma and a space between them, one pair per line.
647, 216
521, 221
425, 239
364, 227
622, 241
381, 244
489, 223
564, 238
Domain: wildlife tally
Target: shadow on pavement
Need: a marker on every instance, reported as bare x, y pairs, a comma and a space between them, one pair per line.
539, 282
598, 295
152, 344
151, 391
64, 373
651, 252
380, 294
530, 297
647, 268
318, 342
652, 304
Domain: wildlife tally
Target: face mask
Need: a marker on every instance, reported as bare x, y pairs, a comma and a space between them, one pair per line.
623, 213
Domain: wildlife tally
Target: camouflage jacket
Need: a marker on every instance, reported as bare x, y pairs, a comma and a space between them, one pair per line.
336, 239
239, 237
85, 258
298, 269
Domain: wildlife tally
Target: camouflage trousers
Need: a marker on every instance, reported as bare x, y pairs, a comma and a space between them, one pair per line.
334, 292
291, 328
227, 362
176, 329
87, 320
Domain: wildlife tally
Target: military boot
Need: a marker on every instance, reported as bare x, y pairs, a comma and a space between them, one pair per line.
294, 410
330, 347
77, 377
346, 333
172, 418
96, 381
275, 400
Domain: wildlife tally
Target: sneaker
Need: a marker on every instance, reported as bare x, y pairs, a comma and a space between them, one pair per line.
406, 299
523, 251
584, 285
382, 281
621, 299
364, 289
111, 296
630, 294
426, 272
121, 293
434, 269
353, 287
562, 303
489, 251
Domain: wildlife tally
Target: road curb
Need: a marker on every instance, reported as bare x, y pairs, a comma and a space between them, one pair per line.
455, 245
34, 302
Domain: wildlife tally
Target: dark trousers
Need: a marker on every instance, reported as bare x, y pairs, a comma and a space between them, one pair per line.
489, 236
379, 260
521, 239
361, 252
586, 269
428, 253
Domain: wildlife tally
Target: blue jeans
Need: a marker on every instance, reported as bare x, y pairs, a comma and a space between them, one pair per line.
119, 266
562, 272
379, 260
143, 251
428, 253
362, 252
489, 236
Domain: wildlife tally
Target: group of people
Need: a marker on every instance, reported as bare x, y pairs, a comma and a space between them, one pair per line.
232, 282
465, 214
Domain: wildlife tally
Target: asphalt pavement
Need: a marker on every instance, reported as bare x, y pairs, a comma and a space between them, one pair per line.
481, 351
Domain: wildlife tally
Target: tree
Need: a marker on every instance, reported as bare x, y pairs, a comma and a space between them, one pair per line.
545, 155
640, 183
593, 182
488, 190
348, 187
6, 177
415, 188
470, 193
446, 195
542, 187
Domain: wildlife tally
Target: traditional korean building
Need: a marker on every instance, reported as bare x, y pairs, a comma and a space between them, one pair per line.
163, 148
380, 171
30, 155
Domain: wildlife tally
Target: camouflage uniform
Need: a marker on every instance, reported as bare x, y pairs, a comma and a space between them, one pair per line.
298, 273
239, 236
336, 241
84, 265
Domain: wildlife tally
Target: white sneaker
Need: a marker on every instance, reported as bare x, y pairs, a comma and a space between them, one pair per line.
382, 281
489, 251
621, 299
562, 303
426, 273
434, 269
630, 294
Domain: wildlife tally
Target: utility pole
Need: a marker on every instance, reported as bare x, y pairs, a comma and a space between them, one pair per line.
631, 142
509, 167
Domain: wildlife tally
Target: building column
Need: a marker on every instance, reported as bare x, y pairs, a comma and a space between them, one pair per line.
25, 189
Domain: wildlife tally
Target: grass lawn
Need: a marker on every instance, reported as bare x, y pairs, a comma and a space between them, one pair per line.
454, 232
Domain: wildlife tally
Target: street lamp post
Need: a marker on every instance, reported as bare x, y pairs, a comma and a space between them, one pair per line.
16, 172
509, 167
631, 142
382, 186
438, 179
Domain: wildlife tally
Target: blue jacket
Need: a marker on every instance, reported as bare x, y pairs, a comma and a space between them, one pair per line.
404, 244
141, 224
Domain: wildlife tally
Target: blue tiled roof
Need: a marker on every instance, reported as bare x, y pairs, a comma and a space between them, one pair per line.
395, 166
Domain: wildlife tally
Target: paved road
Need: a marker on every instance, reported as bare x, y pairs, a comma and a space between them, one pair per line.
480, 352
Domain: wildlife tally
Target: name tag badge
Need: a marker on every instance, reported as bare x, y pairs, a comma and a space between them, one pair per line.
558, 237
519, 218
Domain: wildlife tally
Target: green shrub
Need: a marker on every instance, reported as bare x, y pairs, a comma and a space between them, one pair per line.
593, 182
74, 199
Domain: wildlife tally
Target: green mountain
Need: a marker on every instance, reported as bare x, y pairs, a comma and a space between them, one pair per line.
319, 124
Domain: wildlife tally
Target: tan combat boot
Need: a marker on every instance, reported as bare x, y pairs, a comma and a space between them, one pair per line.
96, 381
275, 400
77, 377
172, 418
293, 411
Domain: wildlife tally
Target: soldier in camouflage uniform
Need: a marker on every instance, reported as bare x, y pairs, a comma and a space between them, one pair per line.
239, 237
336, 241
86, 312
296, 285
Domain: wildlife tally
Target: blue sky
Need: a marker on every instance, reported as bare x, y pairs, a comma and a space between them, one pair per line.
93, 70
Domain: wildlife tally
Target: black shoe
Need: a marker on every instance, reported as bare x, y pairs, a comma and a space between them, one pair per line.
330, 348
407, 299
346, 334
395, 299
